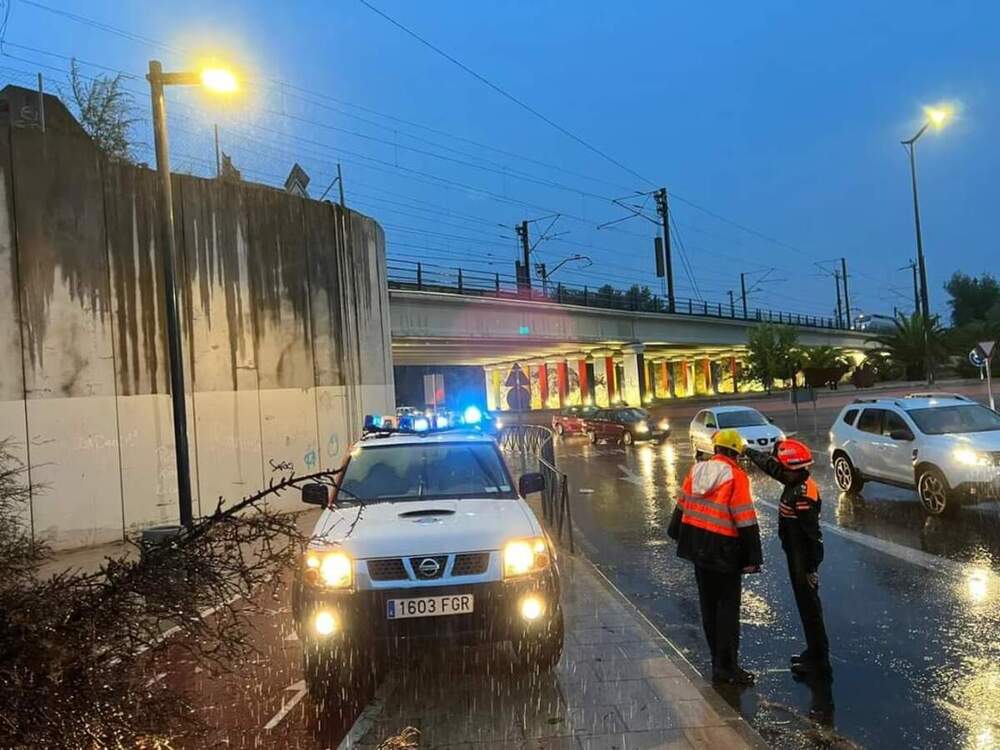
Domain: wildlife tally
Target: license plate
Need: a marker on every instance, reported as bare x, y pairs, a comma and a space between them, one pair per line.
429, 606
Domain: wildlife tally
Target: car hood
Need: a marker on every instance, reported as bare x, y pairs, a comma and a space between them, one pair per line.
981, 441
752, 434
425, 527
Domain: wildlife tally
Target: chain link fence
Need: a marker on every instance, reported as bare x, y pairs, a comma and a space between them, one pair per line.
533, 445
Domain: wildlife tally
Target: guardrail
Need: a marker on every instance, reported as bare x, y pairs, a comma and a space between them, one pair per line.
430, 277
536, 442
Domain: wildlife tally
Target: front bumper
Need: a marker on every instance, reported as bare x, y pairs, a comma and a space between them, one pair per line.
362, 622
651, 435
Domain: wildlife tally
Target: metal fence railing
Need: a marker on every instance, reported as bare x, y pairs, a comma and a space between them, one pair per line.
534, 444
430, 277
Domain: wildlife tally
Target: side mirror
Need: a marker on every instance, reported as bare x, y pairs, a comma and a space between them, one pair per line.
529, 483
770, 419
315, 494
904, 435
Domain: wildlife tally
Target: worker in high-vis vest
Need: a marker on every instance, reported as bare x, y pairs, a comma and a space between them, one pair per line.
715, 526
802, 540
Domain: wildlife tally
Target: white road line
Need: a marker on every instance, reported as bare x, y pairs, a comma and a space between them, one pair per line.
631, 476
899, 551
300, 691
370, 714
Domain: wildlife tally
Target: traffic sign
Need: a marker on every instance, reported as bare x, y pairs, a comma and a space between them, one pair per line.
986, 347
517, 378
976, 358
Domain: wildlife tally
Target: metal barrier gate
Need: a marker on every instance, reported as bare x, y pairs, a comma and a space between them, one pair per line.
534, 442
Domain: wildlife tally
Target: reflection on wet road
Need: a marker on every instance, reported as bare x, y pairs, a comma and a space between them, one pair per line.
912, 604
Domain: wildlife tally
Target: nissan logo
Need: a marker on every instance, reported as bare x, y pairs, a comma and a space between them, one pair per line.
428, 567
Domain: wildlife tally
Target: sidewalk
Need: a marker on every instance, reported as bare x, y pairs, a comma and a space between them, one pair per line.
619, 685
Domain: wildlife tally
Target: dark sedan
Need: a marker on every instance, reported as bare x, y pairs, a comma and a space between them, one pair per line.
625, 425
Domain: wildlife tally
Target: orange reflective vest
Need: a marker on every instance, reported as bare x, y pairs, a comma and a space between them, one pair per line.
717, 498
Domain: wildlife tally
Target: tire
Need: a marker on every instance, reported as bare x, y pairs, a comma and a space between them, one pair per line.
935, 495
627, 438
542, 652
846, 476
592, 437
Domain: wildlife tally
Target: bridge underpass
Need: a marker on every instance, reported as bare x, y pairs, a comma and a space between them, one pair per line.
570, 354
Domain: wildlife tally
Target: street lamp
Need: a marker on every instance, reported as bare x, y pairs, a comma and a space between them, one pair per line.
937, 117
221, 81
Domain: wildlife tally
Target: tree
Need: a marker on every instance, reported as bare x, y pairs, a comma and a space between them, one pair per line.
910, 349
104, 109
973, 299
823, 357
772, 354
75, 647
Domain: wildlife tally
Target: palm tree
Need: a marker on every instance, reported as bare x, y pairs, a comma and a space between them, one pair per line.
823, 357
913, 345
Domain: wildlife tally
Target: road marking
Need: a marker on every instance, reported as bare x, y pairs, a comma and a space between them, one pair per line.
899, 551
300, 691
369, 714
585, 491
631, 476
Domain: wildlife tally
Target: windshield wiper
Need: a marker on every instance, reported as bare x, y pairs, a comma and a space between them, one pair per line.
351, 495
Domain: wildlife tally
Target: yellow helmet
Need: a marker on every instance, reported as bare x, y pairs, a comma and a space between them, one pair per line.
730, 439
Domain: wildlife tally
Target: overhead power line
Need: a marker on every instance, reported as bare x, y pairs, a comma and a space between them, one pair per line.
503, 92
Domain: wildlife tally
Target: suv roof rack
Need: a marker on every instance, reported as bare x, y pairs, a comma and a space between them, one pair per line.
877, 400
938, 394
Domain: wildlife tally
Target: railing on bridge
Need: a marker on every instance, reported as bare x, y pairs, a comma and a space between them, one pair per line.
535, 443
430, 277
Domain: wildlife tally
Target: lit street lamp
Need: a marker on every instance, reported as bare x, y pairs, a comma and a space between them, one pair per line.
221, 81
937, 117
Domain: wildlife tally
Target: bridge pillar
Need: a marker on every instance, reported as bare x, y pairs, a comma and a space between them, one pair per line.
604, 377
543, 384
665, 378
587, 395
734, 372
633, 387
562, 380
489, 373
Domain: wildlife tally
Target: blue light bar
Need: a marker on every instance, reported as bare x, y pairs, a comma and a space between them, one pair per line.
472, 415
421, 424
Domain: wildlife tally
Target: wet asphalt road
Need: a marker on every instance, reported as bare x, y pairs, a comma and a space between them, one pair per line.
912, 604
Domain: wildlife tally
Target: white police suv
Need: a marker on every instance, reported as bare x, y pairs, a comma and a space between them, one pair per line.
944, 446
424, 539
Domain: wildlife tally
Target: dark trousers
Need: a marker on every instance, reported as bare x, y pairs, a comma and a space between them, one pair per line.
719, 595
810, 609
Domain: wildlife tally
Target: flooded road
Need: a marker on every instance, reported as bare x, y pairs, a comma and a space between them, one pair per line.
912, 604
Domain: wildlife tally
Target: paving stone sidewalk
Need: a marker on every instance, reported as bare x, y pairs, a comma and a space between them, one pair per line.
618, 685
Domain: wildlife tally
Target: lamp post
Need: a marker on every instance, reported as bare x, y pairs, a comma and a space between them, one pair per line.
936, 118
221, 81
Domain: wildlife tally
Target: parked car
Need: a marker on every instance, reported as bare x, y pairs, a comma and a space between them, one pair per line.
944, 446
625, 425
759, 431
570, 420
425, 541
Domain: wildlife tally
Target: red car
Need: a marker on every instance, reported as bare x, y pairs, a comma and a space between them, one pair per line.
571, 420
625, 425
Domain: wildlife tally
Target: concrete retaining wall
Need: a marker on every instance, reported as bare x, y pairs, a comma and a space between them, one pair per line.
285, 331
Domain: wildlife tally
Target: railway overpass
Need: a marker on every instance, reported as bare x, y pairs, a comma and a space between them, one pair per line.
560, 352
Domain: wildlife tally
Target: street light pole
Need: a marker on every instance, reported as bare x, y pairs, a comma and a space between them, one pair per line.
910, 146
177, 394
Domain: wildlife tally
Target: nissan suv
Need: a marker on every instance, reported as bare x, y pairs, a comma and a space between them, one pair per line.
944, 446
423, 540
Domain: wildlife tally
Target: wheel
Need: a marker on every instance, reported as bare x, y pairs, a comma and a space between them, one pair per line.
845, 475
934, 493
627, 438
560, 430
592, 437
541, 652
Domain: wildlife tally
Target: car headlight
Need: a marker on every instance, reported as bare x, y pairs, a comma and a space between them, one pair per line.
334, 570
641, 427
522, 557
663, 424
968, 457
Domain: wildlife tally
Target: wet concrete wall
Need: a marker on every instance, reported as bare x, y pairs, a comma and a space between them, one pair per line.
285, 333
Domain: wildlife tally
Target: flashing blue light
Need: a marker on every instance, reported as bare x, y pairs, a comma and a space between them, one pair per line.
420, 424
406, 422
372, 422
472, 415
440, 421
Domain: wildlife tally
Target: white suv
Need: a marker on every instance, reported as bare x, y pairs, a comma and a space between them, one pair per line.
424, 541
944, 446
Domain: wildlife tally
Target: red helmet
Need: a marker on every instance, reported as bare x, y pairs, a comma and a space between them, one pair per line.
794, 454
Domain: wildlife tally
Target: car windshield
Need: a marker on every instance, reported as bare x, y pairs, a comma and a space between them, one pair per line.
741, 418
632, 415
425, 472
942, 420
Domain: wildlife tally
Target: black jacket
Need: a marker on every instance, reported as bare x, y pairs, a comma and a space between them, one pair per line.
798, 511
